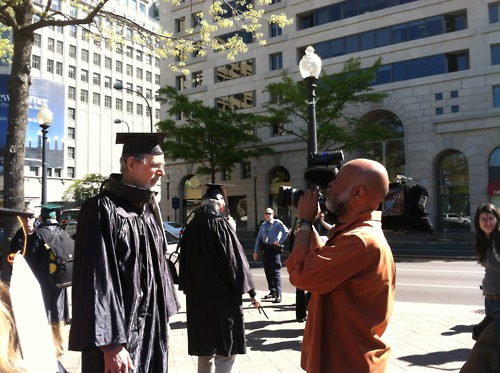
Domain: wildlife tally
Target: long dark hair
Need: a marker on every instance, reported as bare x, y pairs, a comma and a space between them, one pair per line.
483, 242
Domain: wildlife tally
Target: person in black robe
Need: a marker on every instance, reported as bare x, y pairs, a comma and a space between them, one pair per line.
55, 299
123, 293
214, 274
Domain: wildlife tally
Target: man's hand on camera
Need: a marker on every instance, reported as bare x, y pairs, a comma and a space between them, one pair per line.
308, 207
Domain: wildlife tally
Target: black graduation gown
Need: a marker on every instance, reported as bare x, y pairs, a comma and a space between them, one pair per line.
122, 289
213, 273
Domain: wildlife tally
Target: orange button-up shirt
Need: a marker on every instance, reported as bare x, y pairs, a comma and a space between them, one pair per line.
352, 282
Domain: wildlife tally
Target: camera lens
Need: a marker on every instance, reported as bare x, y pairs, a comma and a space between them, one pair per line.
288, 197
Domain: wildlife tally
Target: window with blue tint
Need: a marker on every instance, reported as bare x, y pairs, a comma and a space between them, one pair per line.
401, 71
381, 4
454, 94
495, 54
383, 36
399, 34
352, 44
496, 96
416, 30
383, 75
434, 26
494, 12
337, 47
276, 61
275, 30
367, 41
335, 12
455, 109
321, 16
439, 111
366, 6
438, 96
322, 49
350, 8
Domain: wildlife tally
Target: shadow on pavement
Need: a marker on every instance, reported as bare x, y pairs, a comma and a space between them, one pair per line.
437, 358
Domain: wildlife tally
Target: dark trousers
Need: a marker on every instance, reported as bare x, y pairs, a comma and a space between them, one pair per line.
301, 302
271, 259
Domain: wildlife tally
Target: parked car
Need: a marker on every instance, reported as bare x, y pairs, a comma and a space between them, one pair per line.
173, 227
68, 215
70, 228
456, 218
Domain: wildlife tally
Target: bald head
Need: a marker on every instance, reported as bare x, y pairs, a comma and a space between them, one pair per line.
369, 174
360, 186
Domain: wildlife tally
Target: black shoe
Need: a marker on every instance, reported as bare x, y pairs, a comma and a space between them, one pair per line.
269, 296
301, 319
277, 299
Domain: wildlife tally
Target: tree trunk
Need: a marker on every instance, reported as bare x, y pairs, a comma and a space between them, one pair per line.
14, 153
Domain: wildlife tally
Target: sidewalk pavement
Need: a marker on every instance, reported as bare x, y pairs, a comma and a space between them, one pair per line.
423, 337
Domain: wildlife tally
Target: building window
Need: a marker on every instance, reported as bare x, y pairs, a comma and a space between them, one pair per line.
71, 133
275, 30
246, 170
455, 109
439, 111
71, 113
196, 79
72, 51
276, 61
494, 12
438, 96
96, 98
130, 107
225, 175
96, 79
139, 109
72, 72
34, 171
454, 94
60, 47
84, 75
72, 93
107, 102
50, 66
119, 66
138, 55
234, 70
180, 24
70, 171
128, 70
157, 79
85, 55
237, 101
50, 44
129, 88
149, 58
196, 20
59, 68
119, 104
107, 63
72, 31
149, 94
97, 59
149, 76
129, 51
180, 82
71, 152
38, 40
85, 35
84, 95
35, 62
496, 96
495, 54
138, 73
157, 62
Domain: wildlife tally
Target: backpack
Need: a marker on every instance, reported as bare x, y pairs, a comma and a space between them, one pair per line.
61, 249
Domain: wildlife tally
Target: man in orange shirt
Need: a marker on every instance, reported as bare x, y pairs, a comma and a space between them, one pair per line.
351, 277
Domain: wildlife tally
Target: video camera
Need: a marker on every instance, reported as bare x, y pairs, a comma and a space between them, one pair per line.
318, 174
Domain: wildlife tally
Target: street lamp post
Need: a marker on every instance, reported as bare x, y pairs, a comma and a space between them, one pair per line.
167, 182
310, 67
255, 195
118, 121
44, 118
119, 86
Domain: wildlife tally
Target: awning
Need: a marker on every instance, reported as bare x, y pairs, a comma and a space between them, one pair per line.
494, 188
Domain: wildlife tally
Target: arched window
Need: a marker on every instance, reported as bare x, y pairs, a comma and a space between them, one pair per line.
390, 151
453, 191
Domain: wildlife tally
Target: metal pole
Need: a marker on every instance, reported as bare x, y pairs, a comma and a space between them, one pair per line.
44, 163
312, 144
255, 197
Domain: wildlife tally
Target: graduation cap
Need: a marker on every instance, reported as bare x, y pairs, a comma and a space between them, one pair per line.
215, 191
49, 210
141, 142
10, 212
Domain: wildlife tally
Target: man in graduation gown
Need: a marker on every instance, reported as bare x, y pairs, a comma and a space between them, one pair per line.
214, 274
123, 292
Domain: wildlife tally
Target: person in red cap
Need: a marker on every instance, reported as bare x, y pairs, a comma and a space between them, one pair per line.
123, 293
